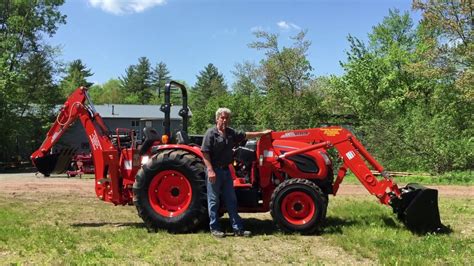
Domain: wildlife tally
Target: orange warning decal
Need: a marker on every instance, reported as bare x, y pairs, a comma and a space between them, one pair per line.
331, 132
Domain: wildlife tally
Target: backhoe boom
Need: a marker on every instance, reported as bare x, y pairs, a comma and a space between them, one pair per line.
105, 154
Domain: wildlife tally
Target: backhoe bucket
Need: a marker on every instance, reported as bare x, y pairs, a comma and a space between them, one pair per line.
55, 163
418, 209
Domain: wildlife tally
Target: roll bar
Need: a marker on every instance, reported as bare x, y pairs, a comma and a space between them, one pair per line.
166, 107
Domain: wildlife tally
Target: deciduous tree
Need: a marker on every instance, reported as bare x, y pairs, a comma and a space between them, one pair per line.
26, 70
412, 113
109, 92
285, 68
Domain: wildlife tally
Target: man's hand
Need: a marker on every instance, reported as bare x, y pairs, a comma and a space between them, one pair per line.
251, 135
211, 175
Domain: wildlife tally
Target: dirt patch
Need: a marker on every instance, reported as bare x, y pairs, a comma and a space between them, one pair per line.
29, 182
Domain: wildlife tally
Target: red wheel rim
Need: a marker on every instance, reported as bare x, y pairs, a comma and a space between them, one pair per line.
298, 208
170, 193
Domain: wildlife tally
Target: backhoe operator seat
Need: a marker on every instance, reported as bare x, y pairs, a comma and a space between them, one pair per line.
151, 135
182, 137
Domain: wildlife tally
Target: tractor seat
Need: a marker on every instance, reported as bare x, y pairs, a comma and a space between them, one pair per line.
151, 135
251, 144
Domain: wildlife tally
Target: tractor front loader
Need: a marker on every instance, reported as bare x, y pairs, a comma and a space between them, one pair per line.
288, 173
415, 205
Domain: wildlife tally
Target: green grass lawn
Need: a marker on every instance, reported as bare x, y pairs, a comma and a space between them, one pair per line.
368, 228
40, 228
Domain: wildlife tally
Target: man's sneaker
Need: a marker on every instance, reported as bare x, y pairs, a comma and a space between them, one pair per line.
242, 233
217, 233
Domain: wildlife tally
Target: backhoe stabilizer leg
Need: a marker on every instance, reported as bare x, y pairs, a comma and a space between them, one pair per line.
418, 209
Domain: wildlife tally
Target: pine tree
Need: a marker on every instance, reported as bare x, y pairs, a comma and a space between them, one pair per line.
210, 83
160, 76
137, 82
77, 74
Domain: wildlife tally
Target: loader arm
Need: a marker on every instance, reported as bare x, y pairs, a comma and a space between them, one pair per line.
105, 155
415, 205
355, 157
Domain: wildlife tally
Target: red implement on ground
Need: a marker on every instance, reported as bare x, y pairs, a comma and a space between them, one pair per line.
288, 173
81, 164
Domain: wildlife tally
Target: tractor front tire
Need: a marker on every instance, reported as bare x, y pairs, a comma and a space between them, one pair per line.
170, 192
298, 205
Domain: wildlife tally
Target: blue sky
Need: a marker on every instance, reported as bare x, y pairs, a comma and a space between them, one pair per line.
110, 35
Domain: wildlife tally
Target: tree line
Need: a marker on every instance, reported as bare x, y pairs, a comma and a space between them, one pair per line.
407, 92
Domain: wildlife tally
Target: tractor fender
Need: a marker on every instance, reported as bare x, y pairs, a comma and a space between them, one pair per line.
195, 149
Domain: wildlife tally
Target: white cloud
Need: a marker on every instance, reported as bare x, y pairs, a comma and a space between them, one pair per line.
284, 25
119, 7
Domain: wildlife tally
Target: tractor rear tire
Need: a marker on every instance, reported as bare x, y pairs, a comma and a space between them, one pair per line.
298, 205
170, 192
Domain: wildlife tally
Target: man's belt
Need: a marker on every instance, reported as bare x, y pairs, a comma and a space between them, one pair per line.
220, 166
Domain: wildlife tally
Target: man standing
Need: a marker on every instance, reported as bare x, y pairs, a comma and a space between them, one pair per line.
217, 150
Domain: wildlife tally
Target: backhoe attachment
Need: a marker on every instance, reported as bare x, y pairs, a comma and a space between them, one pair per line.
54, 163
75, 108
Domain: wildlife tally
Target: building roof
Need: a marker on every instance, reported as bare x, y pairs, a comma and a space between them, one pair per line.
136, 111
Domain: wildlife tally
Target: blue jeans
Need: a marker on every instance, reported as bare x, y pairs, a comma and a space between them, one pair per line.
222, 187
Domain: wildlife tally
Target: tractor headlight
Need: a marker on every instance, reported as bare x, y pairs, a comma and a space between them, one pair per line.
325, 157
145, 159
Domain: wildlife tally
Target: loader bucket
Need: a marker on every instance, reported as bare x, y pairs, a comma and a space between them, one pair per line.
55, 163
418, 209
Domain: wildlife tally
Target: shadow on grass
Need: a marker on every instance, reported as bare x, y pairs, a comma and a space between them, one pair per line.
103, 224
256, 226
332, 225
336, 225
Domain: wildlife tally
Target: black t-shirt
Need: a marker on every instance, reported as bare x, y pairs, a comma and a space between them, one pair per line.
219, 147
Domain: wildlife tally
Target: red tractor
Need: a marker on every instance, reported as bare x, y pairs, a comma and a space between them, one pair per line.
288, 173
